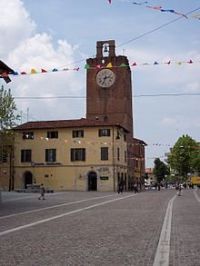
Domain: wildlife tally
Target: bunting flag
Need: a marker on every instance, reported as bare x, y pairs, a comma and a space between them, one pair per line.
159, 8
109, 65
140, 3
33, 71
98, 66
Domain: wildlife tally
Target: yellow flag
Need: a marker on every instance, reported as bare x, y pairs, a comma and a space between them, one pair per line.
109, 65
33, 71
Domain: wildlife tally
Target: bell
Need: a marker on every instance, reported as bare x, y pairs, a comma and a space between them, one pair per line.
105, 49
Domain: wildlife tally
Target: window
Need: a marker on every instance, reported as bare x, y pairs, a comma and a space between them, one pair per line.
105, 132
50, 155
52, 134
104, 153
28, 135
26, 156
3, 155
78, 154
104, 178
77, 133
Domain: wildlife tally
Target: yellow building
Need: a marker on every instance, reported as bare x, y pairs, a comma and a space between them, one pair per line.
77, 155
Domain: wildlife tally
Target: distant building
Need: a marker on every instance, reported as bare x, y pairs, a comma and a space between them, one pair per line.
151, 177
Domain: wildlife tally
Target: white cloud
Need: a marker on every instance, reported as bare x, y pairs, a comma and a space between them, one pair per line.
38, 52
15, 25
25, 49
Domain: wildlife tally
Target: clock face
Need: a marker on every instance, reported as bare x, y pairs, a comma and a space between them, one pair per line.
105, 78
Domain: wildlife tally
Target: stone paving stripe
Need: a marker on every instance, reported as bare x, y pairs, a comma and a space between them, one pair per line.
196, 196
62, 215
163, 249
29, 197
54, 206
20, 198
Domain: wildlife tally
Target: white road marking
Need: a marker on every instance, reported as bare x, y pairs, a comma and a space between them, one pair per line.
62, 215
163, 249
54, 206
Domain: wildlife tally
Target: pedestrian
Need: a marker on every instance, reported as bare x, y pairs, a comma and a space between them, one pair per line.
135, 188
120, 187
179, 190
42, 192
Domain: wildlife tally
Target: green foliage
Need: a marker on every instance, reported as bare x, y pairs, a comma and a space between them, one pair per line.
184, 156
8, 110
160, 170
195, 163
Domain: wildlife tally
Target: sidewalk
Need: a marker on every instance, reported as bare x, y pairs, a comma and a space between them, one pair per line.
185, 233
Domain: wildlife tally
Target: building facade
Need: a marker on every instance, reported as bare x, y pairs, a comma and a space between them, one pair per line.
76, 155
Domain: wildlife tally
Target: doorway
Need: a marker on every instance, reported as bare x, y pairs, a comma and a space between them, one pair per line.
92, 181
28, 179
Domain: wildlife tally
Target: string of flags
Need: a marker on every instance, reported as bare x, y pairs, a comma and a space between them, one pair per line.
161, 9
94, 141
98, 66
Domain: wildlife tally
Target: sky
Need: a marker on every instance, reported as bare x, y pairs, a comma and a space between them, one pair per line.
57, 34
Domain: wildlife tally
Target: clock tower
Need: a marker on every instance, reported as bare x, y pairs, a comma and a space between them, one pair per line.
109, 89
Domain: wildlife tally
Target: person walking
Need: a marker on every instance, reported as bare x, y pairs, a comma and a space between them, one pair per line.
179, 190
42, 192
135, 187
120, 187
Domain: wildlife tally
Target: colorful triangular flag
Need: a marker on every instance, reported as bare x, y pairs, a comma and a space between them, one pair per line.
109, 65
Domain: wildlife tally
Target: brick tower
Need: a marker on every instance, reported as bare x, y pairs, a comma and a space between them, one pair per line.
109, 89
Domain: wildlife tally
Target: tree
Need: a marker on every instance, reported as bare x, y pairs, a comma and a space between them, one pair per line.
195, 164
8, 119
160, 170
8, 116
183, 156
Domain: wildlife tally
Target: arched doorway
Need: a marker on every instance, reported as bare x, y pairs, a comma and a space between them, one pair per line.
92, 181
28, 179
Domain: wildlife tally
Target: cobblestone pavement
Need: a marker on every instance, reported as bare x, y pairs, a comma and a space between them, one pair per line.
185, 234
92, 228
